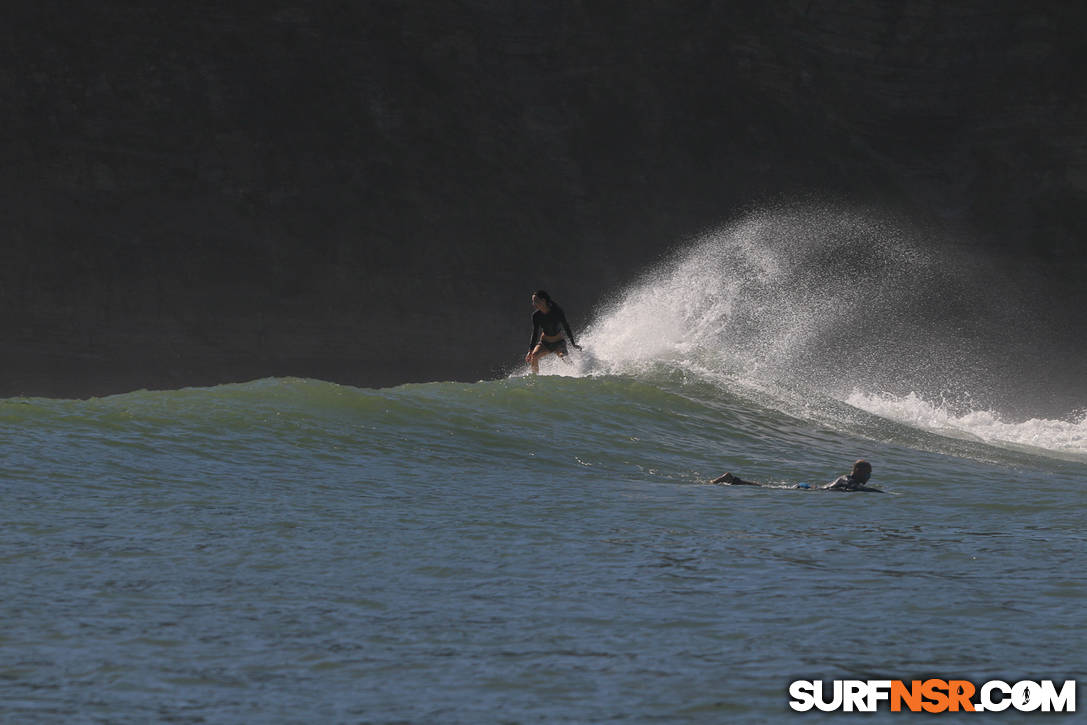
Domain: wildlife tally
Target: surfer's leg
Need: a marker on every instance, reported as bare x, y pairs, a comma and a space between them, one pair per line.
534, 359
561, 351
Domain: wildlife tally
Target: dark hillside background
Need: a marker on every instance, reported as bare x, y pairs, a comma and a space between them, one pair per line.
195, 193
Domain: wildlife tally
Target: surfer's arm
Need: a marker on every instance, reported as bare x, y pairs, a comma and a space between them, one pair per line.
730, 480
844, 483
838, 484
535, 334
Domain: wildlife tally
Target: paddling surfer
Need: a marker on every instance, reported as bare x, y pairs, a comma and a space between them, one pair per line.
548, 323
855, 480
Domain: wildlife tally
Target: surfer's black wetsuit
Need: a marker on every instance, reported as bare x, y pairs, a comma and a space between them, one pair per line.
550, 322
842, 483
848, 483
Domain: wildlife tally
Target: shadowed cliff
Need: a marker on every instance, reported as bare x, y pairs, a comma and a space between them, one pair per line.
367, 193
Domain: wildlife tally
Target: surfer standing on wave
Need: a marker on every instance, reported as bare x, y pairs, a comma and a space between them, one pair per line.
855, 480
548, 321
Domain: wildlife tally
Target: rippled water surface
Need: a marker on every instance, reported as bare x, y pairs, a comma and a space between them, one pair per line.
527, 550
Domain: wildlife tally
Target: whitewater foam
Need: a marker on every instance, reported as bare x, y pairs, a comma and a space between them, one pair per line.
820, 295
809, 304
1060, 436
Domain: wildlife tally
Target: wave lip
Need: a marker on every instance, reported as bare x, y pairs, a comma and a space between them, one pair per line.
1068, 437
794, 306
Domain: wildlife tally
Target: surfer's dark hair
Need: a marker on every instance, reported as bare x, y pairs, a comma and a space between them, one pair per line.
862, 469
542, 294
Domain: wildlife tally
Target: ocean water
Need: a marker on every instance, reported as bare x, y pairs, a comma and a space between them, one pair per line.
547, 549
